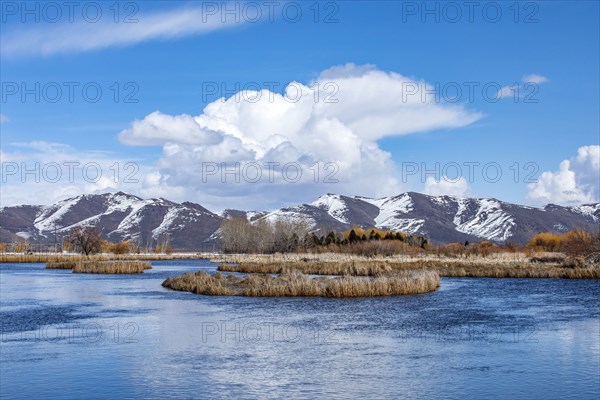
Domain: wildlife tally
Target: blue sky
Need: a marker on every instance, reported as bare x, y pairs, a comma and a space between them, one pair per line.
556, 42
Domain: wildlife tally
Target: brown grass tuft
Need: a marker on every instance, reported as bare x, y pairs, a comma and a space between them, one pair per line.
60, 264
111, 267
294, 283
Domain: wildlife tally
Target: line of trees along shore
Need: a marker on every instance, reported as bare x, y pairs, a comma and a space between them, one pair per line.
286, 235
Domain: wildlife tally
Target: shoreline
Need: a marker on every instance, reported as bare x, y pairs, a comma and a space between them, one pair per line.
72, 257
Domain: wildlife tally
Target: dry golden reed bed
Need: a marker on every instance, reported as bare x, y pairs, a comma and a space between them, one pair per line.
444, 267
55, 257
61, 264
111, 267
344, 257
294, 283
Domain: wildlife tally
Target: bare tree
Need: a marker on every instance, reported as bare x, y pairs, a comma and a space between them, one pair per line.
284, 235
288, 234
85, 239
238, 235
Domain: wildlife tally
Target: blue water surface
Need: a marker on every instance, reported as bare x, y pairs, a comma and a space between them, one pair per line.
67, 336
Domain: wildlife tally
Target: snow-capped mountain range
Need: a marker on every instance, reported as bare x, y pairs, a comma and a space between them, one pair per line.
119, 216
192, 227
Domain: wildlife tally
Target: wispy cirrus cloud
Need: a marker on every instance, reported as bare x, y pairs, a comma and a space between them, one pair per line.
534, 78
81, 36
519, 89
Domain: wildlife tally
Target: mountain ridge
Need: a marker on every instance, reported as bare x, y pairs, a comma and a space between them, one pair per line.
188, 225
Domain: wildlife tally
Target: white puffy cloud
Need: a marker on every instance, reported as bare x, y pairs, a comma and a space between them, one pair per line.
157, 129
576, 181
3, 118
328, 129
444, 186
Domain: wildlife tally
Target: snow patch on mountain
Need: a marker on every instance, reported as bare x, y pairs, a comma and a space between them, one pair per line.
391, 210
50, 215
123, 202
334, 205
490, 221
131, 221
166, 224
408, 225
442, 200
253, 215
296, 214
589, 210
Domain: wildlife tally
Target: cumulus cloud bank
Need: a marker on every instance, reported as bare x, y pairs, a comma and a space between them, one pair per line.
576, 181
328, 129
44, 172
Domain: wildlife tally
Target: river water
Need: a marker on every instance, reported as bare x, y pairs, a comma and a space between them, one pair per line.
68, 335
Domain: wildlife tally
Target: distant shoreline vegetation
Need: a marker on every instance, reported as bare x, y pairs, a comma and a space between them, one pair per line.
68, 258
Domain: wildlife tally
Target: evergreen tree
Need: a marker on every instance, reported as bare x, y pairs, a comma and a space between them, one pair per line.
315, 240
352, 237
330, 238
